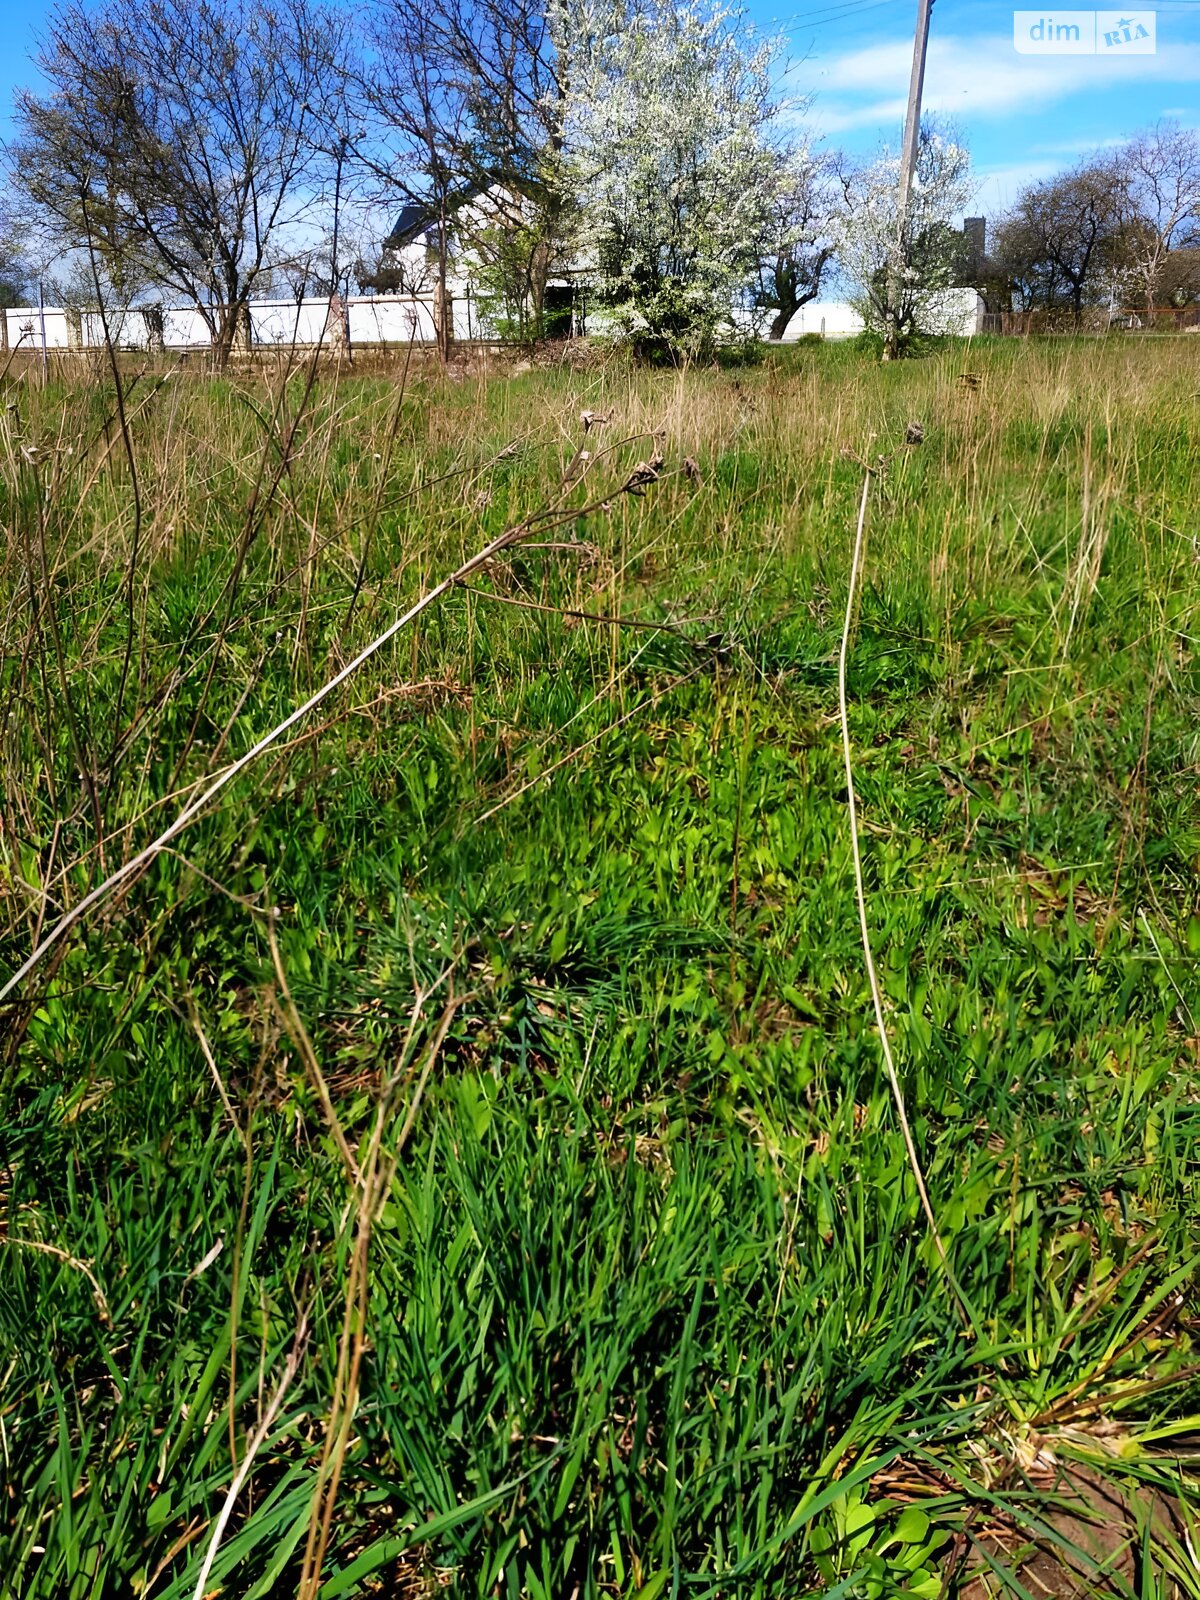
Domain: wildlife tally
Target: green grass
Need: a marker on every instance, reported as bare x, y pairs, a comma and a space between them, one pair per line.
653, 1311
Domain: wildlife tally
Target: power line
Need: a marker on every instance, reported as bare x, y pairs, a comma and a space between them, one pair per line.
842, 13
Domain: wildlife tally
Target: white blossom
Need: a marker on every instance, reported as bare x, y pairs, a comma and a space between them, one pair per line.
669, 132
923, 265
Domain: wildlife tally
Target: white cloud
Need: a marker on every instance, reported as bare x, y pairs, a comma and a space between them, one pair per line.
980, 77
1066, 148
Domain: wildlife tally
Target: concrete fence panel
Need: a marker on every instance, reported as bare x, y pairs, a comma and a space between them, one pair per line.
275, 324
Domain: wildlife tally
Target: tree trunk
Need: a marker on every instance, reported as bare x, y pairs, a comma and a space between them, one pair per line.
779, 324
337, 326
234, 331
440, 298
891, 322
443, 317
539, 272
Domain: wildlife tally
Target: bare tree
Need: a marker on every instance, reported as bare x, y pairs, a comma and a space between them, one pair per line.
1022, 261
181, 140
509, 59
418, 117
14, 269
1179, 282
1067, 240
1161, 172
14, 273
467, 101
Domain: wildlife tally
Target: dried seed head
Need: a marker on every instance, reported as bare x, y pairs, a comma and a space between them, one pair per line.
645, 472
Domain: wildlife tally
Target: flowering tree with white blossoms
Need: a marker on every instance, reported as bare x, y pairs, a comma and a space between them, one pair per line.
669, 132
918, 268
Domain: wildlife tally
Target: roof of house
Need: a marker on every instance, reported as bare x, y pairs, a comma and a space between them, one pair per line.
413, 221
416, 218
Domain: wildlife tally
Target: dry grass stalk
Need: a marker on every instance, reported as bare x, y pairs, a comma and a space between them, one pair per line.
257, 1440
71, 1261
552, 517
856, 566
373, 1186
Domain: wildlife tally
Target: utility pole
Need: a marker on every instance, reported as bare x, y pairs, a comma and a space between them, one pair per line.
337, 317
908, 167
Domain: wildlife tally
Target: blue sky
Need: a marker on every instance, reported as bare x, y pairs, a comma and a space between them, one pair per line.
1024, 117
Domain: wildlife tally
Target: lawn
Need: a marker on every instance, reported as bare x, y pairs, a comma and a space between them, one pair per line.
462, 1160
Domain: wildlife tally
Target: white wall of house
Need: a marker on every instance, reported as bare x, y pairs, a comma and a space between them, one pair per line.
958, 312
417, 263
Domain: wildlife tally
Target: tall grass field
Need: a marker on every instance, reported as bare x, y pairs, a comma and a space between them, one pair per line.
461, 1158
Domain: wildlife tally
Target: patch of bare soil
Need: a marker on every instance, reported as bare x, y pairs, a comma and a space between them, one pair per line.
1085, 1539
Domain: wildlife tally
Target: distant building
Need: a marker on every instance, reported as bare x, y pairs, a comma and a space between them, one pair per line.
408, 262
975, 249
960, 312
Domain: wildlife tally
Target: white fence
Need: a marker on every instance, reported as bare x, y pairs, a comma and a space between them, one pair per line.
831, 319
34, 328
373, 319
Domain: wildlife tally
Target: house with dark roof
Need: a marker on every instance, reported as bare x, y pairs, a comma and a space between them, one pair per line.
408, 264
413, 223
